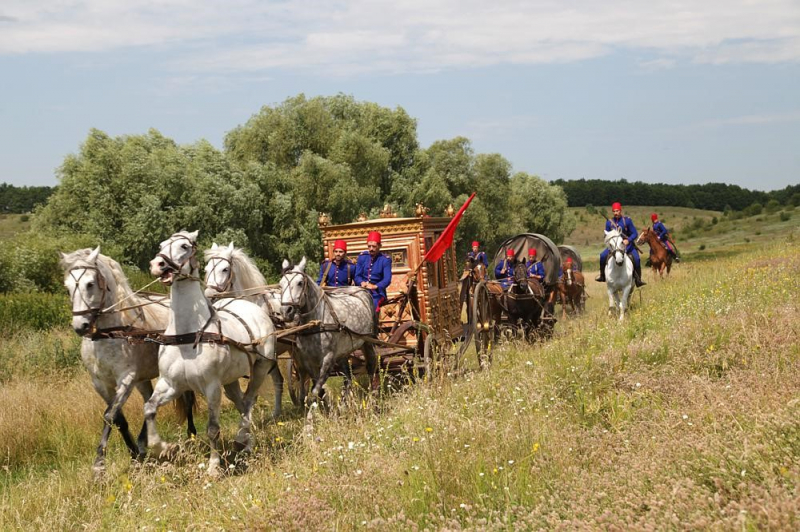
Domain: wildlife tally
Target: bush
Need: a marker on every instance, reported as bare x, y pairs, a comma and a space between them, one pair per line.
714, 221
33, 311
754, 209
785, 216
24, 218
773, 205
702, 247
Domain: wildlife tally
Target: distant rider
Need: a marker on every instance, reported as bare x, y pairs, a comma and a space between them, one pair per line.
337, 272
374, 269
663, 235
629, 233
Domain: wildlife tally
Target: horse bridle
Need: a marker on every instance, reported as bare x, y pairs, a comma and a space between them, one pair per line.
174, 266
94, 312
228, 283
618, 249
294, 304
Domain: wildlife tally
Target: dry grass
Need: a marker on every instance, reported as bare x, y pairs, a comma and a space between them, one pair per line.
686, 416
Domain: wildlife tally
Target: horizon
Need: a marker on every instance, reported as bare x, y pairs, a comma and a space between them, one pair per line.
658, 93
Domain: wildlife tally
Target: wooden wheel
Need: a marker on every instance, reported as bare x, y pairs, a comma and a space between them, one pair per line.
483, 322
439, 357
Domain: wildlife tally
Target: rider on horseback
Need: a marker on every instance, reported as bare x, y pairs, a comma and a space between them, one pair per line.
504, 271
628, 230
340, 270
568, 265
476, 257
534, 266
663, 235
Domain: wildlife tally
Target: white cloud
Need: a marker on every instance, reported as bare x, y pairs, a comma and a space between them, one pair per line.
349, 37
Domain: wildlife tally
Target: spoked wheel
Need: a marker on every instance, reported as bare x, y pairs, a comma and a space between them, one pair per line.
483, 324
439, 357
292, 380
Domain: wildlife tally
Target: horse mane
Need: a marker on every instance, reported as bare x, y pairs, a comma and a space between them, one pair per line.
612, 234
155, 315
246, 273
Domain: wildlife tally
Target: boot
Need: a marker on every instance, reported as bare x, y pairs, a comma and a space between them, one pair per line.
637, 277
648, 262
677, 258
602, 277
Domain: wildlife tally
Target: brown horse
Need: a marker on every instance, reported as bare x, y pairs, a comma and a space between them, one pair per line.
660, 257
572, 289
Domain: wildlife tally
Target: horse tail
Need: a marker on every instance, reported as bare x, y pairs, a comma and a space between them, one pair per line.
185, 404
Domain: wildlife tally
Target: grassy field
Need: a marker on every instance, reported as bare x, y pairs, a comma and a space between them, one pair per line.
684, 416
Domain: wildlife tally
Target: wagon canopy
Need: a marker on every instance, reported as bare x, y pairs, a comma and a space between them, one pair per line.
546, 251
569, 251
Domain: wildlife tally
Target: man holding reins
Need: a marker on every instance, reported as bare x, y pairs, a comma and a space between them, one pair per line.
374, 269
337, 272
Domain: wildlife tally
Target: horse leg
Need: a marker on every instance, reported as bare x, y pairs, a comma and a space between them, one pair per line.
563, 297
113, 416
163, 393
214, 399
373, 365
277, 384
327, 365
612, 303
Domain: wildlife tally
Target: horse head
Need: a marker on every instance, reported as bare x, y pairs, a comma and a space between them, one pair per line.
615, 243
521, 276
294, 290
479, 272
644, 236
177, 256
569, 278
219, 269
90, 286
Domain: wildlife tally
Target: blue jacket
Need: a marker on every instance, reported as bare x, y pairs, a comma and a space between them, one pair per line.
377, 272
478, 257
660, 230
535, 268
338, 275
628, 230
509, 273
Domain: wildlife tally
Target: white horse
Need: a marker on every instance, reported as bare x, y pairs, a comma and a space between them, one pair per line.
346, 316
619, 274
230, 272
106, 312
207, 347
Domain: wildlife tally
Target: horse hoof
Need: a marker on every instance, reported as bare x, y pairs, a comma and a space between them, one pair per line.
165, 451
98, 471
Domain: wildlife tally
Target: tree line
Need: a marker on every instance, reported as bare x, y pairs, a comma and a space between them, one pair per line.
278, 171
20, 200
711, 196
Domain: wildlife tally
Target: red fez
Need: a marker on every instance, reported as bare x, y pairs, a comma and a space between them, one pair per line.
616, 206
340, 244
374, 236
569, 260
476, 243
510, 253
532, 252
654, 217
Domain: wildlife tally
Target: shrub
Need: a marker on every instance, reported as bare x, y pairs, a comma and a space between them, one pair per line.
714, 221
784, 216
754, 209
24, 218
33, 311
702, 247
773, 205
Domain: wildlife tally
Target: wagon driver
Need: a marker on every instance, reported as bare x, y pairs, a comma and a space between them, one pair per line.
504, 271
629, 234
374, 269
337, 272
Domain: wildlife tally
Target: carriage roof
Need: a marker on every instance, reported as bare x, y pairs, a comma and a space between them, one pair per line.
546, 251
569, 251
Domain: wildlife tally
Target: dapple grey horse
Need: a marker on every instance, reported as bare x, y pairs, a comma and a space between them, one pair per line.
346, 317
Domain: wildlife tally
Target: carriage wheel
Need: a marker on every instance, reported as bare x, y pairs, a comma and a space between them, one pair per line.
483, 324
292, 380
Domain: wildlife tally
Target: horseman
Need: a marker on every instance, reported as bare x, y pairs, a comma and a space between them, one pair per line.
504, 271
340, 270
663, 235
534, 266
374, 269
477, 256
629, 234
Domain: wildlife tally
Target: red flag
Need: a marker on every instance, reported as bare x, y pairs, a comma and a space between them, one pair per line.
446, 238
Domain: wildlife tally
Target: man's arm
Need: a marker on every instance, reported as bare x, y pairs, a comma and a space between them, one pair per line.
361, 271
386, 274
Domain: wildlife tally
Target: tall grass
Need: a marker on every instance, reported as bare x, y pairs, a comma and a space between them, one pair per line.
684, 416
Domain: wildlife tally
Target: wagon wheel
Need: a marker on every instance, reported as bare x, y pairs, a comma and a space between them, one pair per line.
483, 323
439, 357
292, 381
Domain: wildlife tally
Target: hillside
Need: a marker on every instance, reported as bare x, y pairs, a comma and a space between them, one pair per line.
686, 415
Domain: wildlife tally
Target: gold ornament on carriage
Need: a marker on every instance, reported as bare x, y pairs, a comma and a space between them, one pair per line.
387, 212
323, 219
362, 217
450, 211
421, 210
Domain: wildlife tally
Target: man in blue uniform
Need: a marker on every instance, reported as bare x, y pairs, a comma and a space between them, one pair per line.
625, 225
478, 256
337, 272
504, 271
374, 269
663, 234
535, 266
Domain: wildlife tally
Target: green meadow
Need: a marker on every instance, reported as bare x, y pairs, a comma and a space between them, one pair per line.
683, 416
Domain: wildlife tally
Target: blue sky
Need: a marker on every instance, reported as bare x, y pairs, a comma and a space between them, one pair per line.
659, 91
